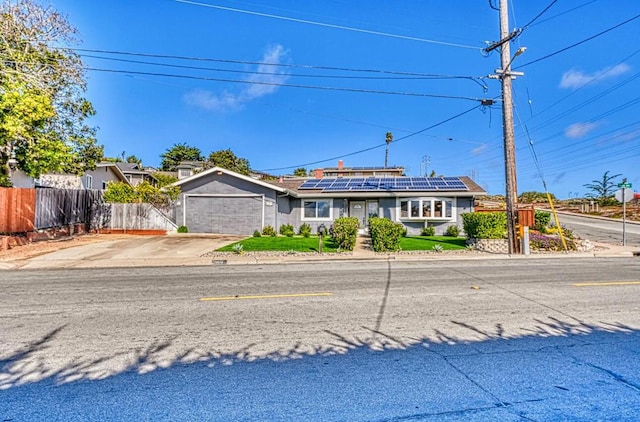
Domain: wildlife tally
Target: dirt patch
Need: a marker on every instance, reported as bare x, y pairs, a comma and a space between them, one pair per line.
31, 250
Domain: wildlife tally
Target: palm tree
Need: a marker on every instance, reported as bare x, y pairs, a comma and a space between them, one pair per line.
386, 154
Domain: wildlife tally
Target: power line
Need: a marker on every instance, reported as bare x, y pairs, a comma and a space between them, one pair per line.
325, 88
327, 25
376, 146
288, 65
539, 15
578, 43
255, 72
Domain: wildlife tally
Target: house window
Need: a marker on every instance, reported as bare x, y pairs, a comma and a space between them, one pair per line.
89, 181
104, 185
426, 208
316, 209
184, 173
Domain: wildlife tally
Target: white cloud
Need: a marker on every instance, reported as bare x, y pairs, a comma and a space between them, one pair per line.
479, 150
264, 82
579, 130
575, 78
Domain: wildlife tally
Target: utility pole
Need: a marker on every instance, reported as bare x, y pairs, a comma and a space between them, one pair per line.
511, 194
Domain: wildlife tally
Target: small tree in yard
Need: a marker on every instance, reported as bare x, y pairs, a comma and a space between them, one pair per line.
604, 189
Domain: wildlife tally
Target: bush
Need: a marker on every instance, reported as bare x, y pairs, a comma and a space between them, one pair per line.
287, 230
183, 229
428, 231
305, 230
485, 225
385, 234
542, 220
344, 231
269, 231
256, 233
453, 231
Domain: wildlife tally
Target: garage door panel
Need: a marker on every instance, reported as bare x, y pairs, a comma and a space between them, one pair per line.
229, 215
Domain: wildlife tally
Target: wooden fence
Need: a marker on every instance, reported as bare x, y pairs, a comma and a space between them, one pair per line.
64, 207
17, 210
29, 210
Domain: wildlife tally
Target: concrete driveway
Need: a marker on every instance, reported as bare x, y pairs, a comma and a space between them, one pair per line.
131, 251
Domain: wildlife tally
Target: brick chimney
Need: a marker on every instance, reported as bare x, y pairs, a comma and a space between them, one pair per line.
340, 164
319, 174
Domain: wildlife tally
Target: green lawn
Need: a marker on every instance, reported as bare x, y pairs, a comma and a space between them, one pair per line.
426, 243
282, 243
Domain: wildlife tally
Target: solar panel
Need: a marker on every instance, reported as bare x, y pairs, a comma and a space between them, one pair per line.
361, 184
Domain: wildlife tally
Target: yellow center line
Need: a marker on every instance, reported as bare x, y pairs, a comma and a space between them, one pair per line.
211, 299
607, 283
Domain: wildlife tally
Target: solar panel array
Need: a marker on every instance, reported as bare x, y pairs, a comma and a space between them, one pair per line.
343, 184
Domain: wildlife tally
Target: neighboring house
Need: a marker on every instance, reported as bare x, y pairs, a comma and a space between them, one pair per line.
221, 201
102, 175
92, 179
189, 168
342, 171
135, 174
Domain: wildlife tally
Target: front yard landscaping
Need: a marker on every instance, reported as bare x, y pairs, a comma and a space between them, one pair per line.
282, 243
428, 243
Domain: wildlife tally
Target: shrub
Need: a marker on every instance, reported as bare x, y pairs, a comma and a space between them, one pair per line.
183, 229
542, 220
428, 231
238, 248
287, 230
453, 231
438, 248
485, 225
269, 231
256, 233
344, 231
305, 230
385, 234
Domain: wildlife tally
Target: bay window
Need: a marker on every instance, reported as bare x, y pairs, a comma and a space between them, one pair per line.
426, 208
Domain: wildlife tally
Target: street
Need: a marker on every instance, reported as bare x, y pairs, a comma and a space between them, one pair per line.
507, 339
601, 230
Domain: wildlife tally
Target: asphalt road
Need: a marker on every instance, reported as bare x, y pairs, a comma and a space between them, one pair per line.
600, 230
445, 340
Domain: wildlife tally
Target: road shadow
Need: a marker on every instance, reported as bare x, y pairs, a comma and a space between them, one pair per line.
561, 370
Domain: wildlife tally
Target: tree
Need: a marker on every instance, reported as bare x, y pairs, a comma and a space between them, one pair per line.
300, 172
178, 153
124, 193
164, 179
602, 190
132, 159
43, 119
227, 159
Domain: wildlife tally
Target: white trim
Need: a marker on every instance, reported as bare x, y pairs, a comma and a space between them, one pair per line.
433, 199
302, 216
229, 173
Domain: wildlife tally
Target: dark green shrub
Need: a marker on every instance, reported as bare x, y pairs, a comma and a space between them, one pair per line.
183, 229
344, 231
287, 230
305, 230
485, 225
428, 231
385, 234
256, 233
453, 231
542, 220
269, 231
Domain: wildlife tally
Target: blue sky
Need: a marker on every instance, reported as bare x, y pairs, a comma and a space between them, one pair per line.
371, 66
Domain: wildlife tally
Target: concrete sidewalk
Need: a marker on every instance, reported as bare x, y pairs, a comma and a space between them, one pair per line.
195, 250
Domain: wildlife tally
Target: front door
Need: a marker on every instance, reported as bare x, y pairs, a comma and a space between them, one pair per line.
358, 209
